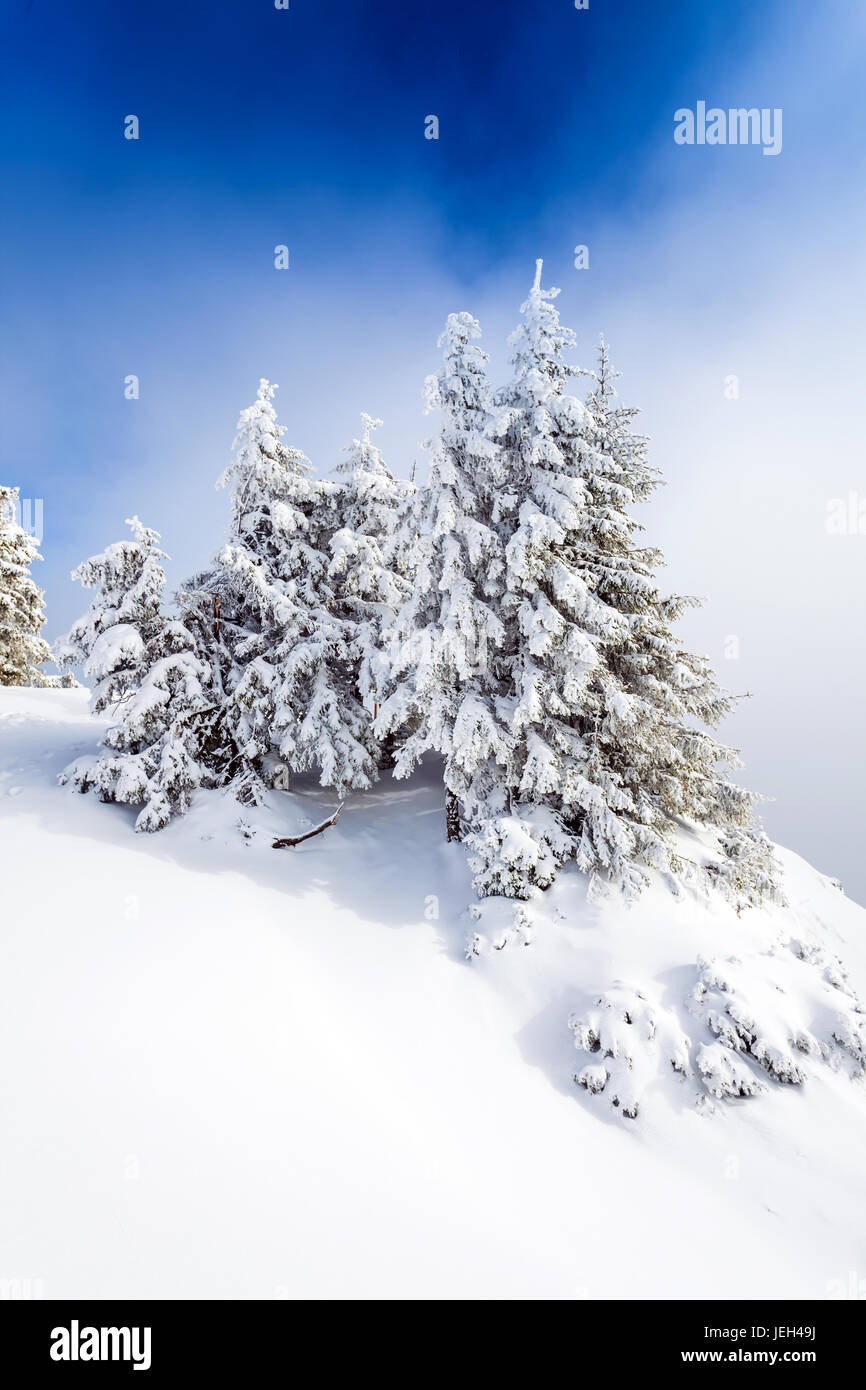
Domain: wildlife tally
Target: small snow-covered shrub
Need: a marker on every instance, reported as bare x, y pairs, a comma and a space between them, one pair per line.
724, 1075
774, 1014
782, 1007
634, 1040
504, 921
514, 855
748, 874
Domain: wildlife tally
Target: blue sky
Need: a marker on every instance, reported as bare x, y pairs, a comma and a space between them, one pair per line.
306, 127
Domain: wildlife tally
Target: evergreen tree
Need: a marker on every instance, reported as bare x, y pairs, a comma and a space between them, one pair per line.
236, 606
551, 619
146, 672
22, 616
368, 573
110, 639
653, 745
283, 654
606, 752
443, 643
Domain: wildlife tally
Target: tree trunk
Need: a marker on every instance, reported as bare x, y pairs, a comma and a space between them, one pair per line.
452, 817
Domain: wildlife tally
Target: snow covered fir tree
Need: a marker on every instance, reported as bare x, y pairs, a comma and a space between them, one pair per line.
503, 615
262, 590
370, 571
604, 704
442, 642
144, 672
290, 610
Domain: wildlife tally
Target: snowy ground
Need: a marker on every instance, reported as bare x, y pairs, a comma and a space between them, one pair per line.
230, 1071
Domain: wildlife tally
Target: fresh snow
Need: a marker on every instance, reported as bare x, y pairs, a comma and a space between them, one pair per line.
234, 1072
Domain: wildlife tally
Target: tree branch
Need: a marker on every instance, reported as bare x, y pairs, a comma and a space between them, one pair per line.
290, 840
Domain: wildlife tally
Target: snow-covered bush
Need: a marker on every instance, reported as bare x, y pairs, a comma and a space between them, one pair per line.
514, 855
724, 1075
505, 921
748, 873
633, 1040
773, 1015
781, 1008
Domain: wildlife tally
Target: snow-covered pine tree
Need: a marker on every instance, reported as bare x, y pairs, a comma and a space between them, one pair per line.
368, 573
22, 615
109, 639
147, 673
606, 751
233, 606
652, 743
551, 618
444, 641
282, 654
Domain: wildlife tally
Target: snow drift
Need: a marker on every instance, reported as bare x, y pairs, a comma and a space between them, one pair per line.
231, 1071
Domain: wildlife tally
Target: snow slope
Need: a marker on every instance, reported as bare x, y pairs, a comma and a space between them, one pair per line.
229, 1071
